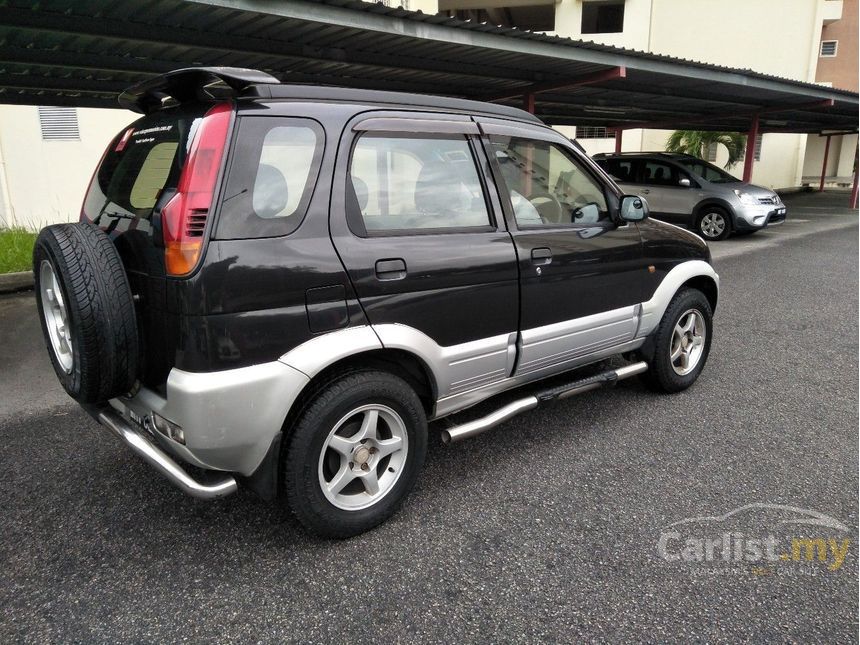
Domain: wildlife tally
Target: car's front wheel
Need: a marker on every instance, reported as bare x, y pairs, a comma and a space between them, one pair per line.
713, 224
355, 453
682, 342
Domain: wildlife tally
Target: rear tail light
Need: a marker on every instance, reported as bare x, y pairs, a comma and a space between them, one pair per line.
183, 218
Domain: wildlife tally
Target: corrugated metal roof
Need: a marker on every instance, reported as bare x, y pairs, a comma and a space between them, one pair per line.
84, 52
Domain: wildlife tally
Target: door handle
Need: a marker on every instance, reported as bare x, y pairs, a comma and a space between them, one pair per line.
391, 269
644, 191
541, 256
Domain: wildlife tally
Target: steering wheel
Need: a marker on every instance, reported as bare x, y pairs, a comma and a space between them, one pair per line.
548, 206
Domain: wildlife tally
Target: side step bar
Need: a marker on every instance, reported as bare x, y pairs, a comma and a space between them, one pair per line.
476, 427
159, 460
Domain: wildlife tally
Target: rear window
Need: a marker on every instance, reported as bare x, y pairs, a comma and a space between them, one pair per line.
274, 168
141, 163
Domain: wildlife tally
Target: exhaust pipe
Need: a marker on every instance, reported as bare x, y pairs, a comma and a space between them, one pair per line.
476, 427
159, 460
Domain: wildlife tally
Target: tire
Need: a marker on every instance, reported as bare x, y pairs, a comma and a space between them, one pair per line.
713, 224
665, 374
326, 443
86, 311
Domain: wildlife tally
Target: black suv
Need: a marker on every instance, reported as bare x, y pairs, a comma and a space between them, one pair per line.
280, 285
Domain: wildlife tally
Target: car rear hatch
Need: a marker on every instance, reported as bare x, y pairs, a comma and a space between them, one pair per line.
152, 194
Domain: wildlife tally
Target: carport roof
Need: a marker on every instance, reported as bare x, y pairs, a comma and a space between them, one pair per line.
84, 52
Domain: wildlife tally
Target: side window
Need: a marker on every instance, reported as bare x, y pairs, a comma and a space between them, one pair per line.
415, 182
546, 185
705, 171
622, 170
283, 170
275, 166
656, 173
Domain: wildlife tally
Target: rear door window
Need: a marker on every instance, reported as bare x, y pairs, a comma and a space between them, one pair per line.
621, 170
416, 182
657, 173
275, 164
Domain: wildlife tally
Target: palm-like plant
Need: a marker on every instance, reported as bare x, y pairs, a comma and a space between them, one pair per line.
697, 142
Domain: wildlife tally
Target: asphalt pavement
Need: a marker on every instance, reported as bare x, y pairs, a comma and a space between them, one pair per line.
546, 529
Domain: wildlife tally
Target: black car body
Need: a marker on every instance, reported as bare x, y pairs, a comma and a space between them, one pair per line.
464, 248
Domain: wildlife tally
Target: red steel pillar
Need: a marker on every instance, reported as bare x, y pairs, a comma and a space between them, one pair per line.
824, 163
749, 157
529, 103
618, 133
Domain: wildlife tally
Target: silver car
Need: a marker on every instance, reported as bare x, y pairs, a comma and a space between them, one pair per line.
685, 190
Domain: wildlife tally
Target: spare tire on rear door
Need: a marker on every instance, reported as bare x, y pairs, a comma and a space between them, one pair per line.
86, 310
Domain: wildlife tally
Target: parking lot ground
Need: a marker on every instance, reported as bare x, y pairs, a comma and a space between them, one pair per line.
546, 528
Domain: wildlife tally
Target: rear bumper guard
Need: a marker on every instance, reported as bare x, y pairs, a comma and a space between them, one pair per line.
141, 445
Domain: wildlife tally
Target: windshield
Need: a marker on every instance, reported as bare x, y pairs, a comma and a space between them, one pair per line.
707, 171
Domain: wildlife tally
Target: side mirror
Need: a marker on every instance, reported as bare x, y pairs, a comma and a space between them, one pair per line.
683, 181
633, 208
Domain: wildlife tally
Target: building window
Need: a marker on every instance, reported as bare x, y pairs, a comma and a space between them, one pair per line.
602, 17
712, 152
828, 48
59, 123
592, 132
758, 141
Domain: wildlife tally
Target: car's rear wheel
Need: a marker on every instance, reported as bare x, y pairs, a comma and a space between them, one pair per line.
354, 453
713, 224
682, 342
86, 310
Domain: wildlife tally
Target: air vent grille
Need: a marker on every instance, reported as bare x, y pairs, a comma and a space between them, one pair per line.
59, 123
196, 223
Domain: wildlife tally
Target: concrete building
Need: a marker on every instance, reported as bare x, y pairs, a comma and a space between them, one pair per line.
777, 37
47, 157
837, 67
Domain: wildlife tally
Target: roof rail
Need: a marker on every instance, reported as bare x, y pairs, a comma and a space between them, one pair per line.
631, 153
189, 84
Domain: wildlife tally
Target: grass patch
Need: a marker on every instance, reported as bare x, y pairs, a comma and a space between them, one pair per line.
16, 250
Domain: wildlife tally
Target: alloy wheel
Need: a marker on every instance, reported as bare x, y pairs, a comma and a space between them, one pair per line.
713, 224
688, 342
363, 457
56, 316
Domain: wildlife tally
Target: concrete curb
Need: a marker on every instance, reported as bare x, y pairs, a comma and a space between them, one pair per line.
11, 282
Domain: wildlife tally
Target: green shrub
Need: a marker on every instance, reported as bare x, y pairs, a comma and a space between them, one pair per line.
16, 249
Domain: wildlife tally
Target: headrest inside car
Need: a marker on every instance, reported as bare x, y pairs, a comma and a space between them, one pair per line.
429, 198
270, 192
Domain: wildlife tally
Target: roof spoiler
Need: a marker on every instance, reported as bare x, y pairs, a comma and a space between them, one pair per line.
190, 84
